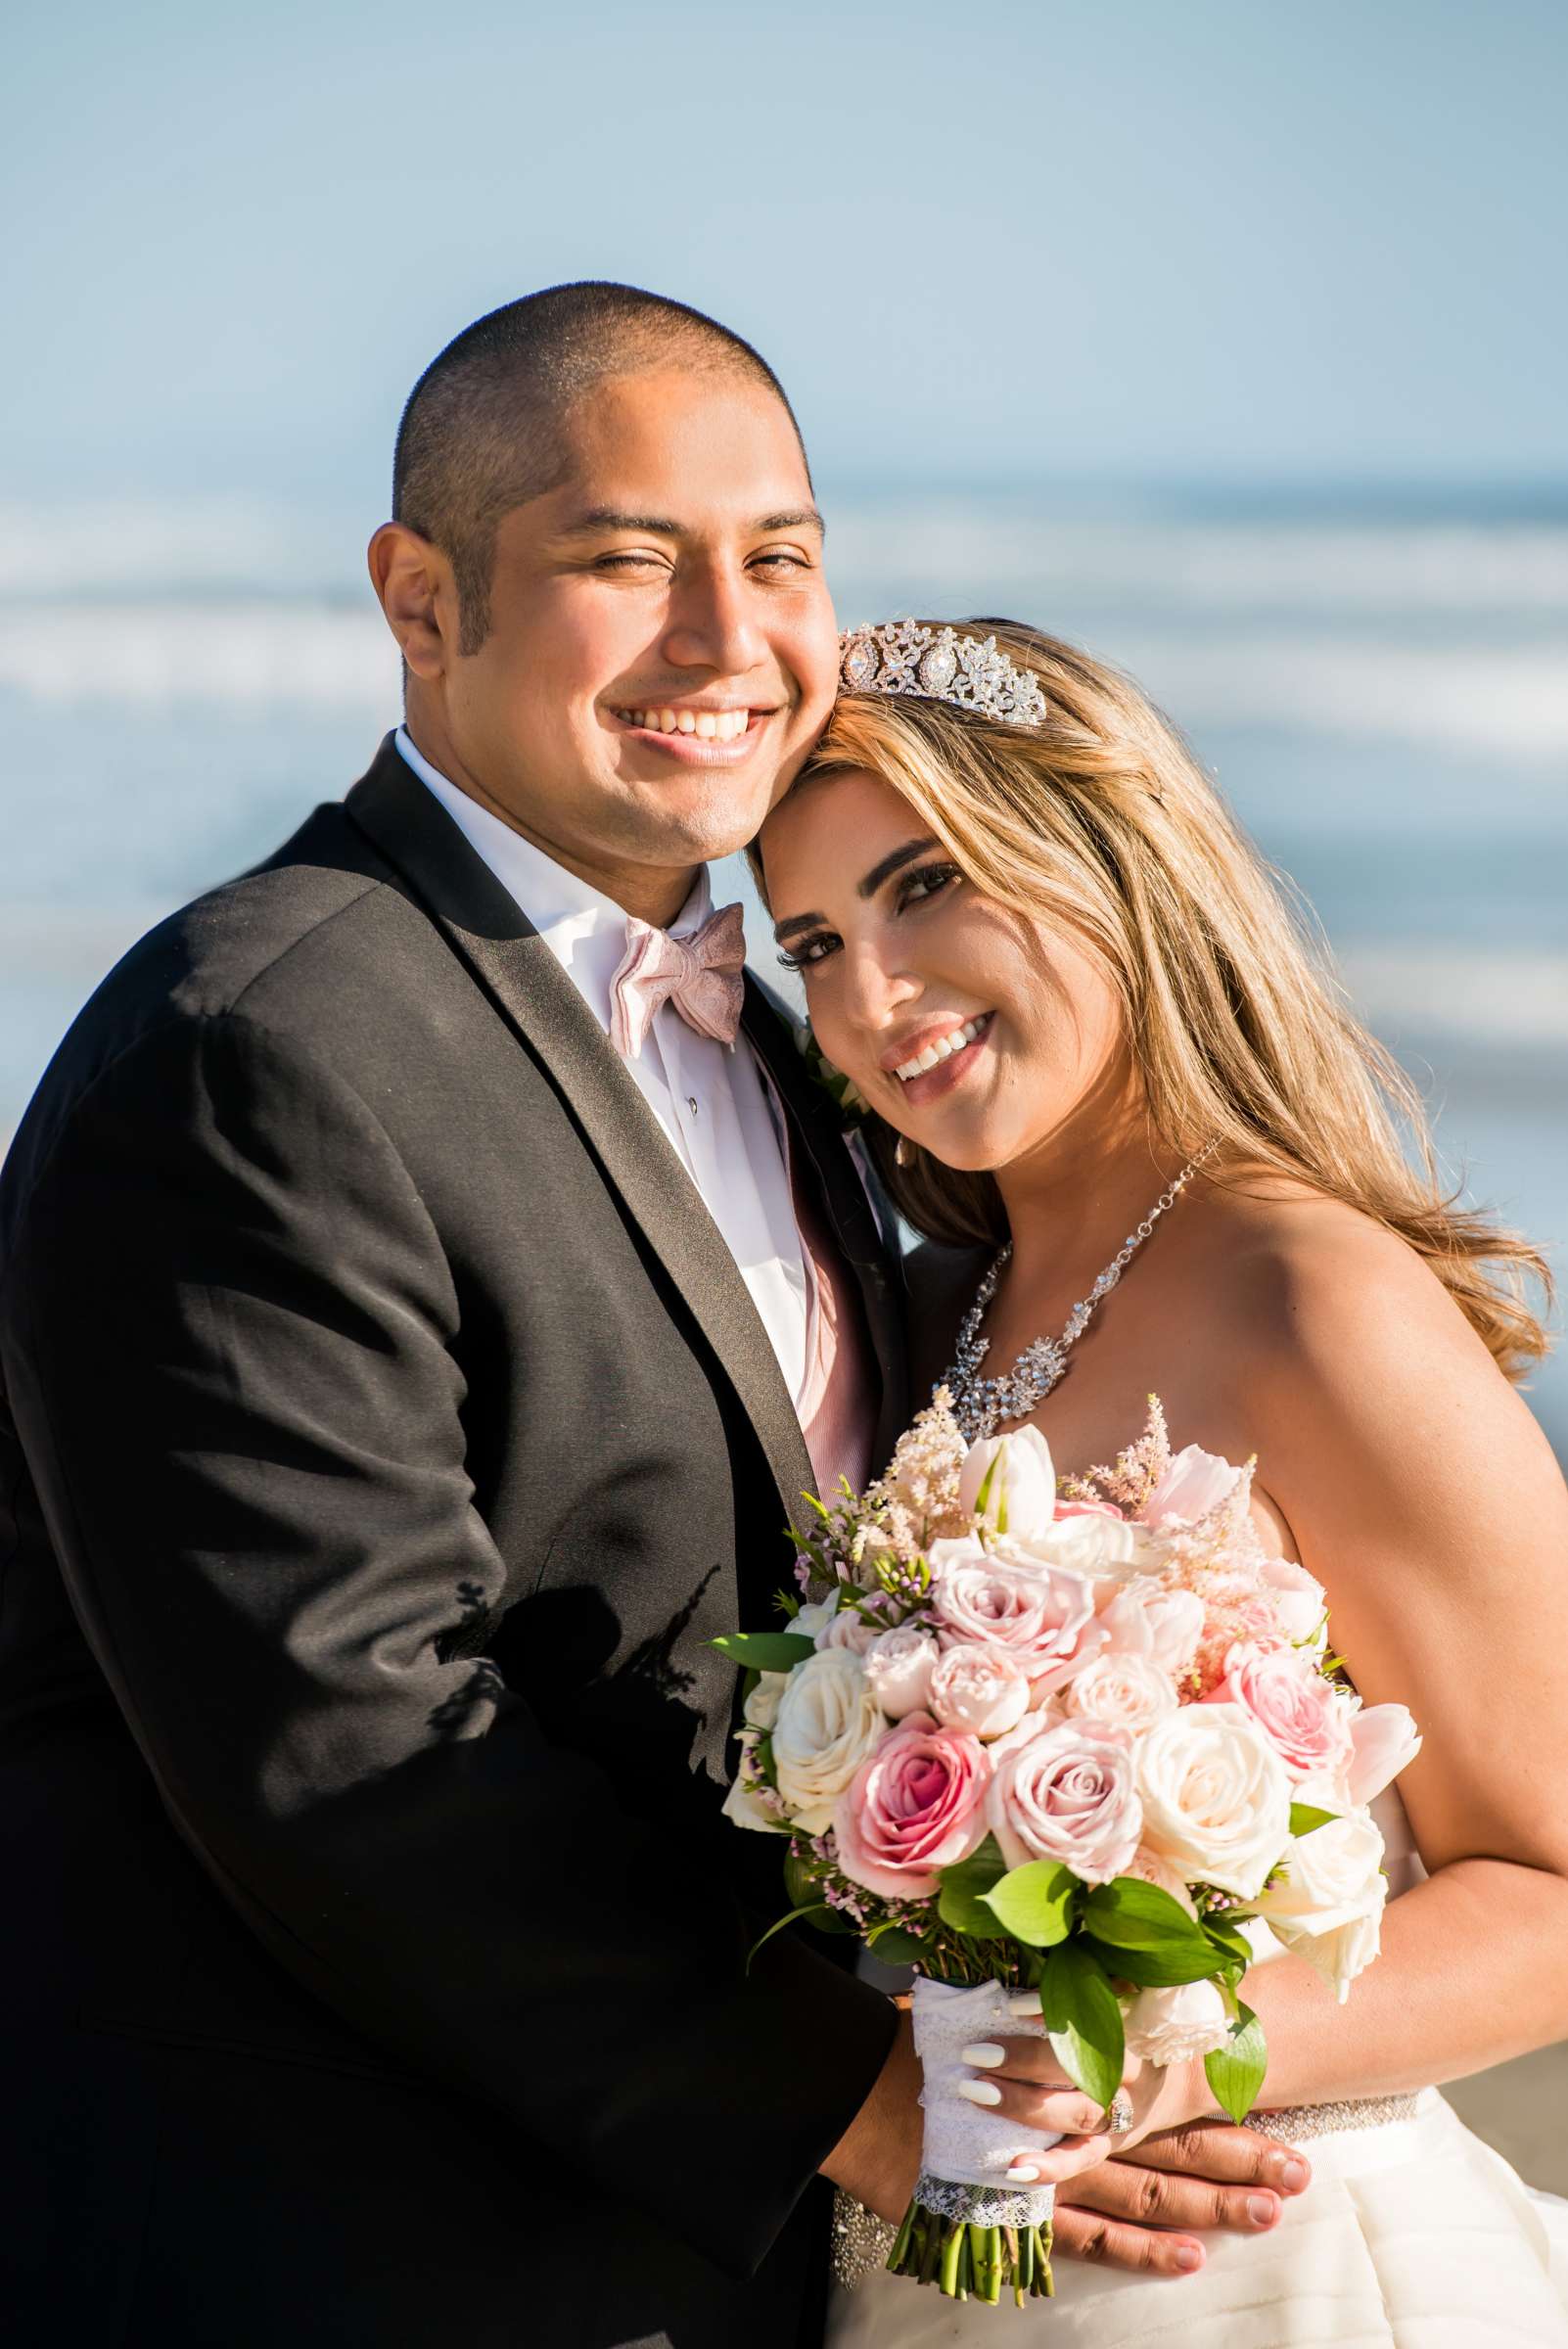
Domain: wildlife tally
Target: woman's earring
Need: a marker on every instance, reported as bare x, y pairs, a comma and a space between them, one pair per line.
903, 1152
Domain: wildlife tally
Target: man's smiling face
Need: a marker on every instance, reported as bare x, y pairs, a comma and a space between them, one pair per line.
661, 650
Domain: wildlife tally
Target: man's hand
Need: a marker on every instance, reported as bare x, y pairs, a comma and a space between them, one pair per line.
1144, 2209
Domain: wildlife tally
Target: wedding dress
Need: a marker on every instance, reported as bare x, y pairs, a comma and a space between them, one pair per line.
1414, 2235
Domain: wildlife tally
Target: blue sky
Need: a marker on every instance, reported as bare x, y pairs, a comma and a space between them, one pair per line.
1201, 241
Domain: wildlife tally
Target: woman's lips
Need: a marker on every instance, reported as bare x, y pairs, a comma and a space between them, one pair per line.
932, 1084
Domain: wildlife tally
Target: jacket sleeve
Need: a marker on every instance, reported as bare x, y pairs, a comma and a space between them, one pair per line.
228, 1328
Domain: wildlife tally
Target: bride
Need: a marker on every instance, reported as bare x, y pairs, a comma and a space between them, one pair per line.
1034, 939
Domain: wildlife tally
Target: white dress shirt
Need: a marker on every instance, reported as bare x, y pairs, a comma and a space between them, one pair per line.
711, 1098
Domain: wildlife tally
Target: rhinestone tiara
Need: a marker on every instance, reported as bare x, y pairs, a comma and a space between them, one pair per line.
939, 664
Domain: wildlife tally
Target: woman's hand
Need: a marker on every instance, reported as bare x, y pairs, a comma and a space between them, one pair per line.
1023, 2080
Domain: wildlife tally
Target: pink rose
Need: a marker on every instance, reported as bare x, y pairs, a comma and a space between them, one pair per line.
1303, 1716
1193, 1487
1166, 1626
1150, 1869
1383, 1739
1043, 1615
1067, 1794
916, 1807
981, 1689
898, 1664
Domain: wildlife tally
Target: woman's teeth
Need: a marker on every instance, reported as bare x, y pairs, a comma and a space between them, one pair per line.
711, 725
943, 1049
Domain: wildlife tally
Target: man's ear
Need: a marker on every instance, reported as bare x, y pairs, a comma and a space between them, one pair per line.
414, 585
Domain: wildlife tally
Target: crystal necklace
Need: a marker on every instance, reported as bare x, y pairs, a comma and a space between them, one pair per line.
980, 1404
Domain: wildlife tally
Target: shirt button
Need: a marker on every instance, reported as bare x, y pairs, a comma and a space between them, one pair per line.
691, 1103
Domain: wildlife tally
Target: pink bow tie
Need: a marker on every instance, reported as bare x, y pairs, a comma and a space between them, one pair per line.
700, 975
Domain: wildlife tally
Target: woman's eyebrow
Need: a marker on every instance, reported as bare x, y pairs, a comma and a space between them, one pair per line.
892, 863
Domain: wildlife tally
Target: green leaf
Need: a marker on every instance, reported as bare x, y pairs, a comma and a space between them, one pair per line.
1162, 1969
1236, 2071
896, 1947
1133, 1915
963, 1902
795, 1917
1034, 1902
1230, 1939
1083, 2019
798, 1882
1304, 1817
765, 1651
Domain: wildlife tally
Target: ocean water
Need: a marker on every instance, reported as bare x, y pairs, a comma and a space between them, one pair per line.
1381, 691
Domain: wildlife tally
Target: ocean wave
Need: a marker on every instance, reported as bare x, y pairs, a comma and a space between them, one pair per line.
942, 550
1479, 697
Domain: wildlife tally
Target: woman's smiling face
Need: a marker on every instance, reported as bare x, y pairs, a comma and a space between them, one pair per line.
976, 1032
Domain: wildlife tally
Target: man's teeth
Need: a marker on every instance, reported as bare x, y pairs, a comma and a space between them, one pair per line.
943, 1049
710, 725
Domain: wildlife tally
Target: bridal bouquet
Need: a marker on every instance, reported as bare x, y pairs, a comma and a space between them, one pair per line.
1068, 1741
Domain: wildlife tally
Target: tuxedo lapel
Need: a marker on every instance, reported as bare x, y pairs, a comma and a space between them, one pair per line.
517, 970
819, 1128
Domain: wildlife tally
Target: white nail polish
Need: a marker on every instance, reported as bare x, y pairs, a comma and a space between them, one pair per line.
1025, 2001
1024, 2173
985, 2054
978, 2092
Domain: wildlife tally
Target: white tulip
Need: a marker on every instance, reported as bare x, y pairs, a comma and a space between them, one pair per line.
1019, 1479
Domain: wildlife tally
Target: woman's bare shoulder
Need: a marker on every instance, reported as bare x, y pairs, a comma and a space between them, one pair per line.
1355, 1350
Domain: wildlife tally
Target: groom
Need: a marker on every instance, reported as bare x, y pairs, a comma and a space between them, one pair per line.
427, 1282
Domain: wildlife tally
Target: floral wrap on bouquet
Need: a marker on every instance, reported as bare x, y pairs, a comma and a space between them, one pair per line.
1068, 1739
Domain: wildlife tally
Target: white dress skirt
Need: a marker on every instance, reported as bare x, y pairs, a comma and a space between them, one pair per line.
1413, 2234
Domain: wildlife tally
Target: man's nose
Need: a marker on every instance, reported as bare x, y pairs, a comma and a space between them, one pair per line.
711, 625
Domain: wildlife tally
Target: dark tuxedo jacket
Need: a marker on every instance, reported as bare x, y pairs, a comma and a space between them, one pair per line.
384, 1432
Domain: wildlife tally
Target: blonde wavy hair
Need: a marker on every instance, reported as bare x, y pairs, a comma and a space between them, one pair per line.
1102, 820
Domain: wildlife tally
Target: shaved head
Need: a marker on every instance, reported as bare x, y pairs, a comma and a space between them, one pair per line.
482, 432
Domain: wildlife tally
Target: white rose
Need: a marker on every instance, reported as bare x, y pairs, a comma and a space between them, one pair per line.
746, 1809
760, 1709
1215, 1797
981, 1689
1127, 1693
898, 1664
828, 1722
1019, 1480
1299, 1600
814, 1619
1174, 2026
1145, 1619
1327, 1904
1086, 1542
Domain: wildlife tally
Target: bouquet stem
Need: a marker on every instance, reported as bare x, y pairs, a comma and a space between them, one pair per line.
963, 2258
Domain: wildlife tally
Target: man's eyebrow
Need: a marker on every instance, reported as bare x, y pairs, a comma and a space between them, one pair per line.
890, 864
660, 526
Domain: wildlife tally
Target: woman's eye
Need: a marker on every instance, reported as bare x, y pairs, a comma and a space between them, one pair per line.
813, 949
928, 882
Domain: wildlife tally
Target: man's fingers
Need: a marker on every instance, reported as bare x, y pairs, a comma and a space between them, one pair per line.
1231, 2156
1088, 2235
1120, 2190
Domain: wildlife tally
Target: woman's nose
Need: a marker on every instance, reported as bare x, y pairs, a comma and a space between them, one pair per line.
877, 992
